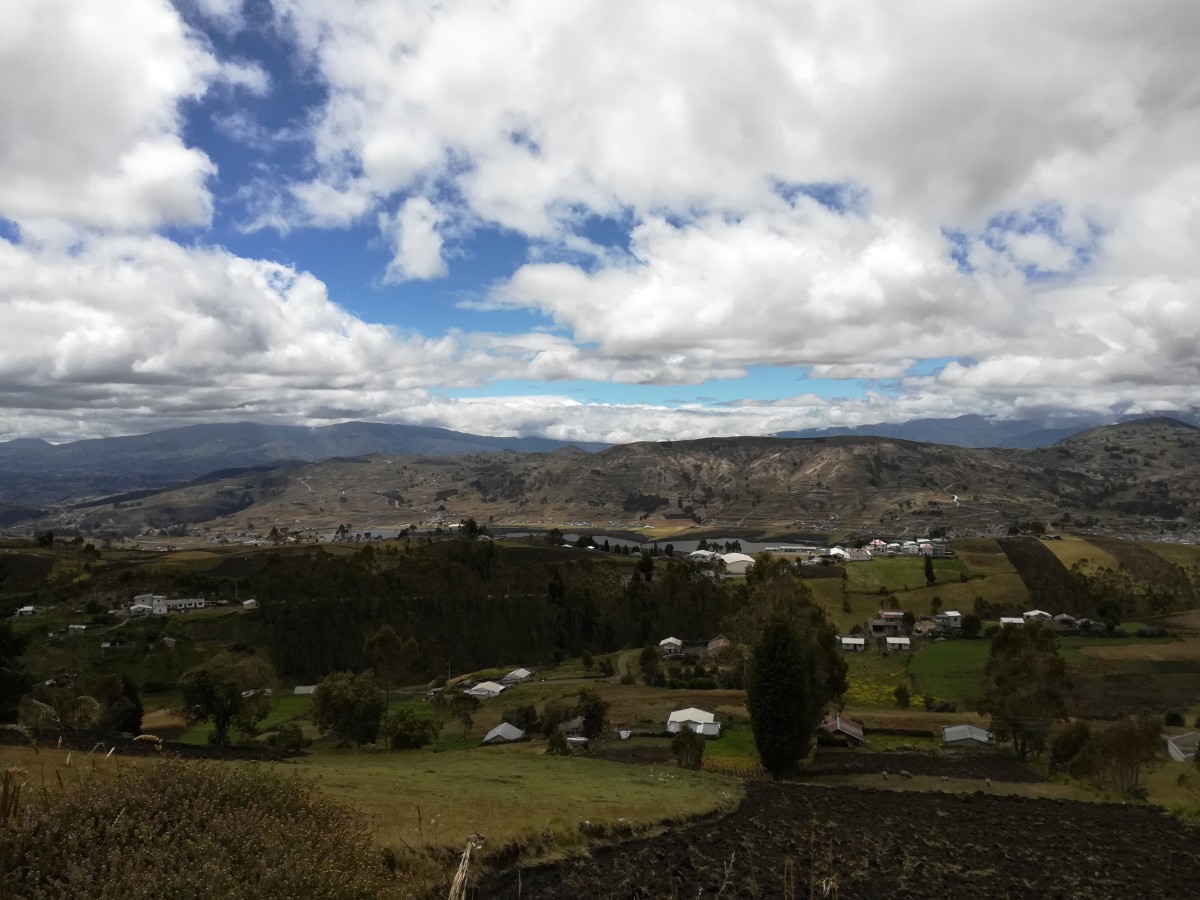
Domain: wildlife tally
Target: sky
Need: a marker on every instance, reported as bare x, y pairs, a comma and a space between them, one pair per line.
595, 220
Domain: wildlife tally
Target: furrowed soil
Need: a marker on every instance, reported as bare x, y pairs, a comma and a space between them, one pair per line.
786, 839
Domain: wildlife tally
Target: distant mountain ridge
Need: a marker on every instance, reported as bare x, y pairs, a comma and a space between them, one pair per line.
982, 431
1136, 476
32, 470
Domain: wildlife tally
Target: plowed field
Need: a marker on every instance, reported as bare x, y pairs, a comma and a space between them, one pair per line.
879, 844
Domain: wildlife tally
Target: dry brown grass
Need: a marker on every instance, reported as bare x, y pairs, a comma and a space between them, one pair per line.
1189, 620
1188, 648
1050, 790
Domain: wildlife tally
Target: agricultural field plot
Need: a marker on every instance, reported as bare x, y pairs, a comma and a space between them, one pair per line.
1005, 589
1146, 651
950, 670
1071, 549
880, 844
1187, 621
1148, 566
1048, 581
983, 556
510, 794
899, 573
1183, 555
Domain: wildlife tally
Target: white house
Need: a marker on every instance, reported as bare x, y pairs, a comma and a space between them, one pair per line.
1064, 620
73, 630
141, 609
854, 644
891, 615
250, 604
486, 690
696, 720
183, 604
1182, 747
1011, 621
951, 618
26, 611
737, 563
304, 690
515, 675
966, 736
671, 646
1036, 615
503, 733
703, 555
899, 644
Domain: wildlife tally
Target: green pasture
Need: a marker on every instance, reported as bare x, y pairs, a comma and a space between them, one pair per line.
510, 793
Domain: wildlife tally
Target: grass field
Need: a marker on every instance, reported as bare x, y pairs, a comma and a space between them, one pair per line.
898, 573
950, 670
982, 556
1185, 555
512, 793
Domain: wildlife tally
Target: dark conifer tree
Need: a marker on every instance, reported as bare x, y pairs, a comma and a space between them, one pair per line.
779, 696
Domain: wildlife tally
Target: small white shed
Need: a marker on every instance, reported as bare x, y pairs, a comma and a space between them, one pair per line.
1011, 621
693, 719
671, 646
250, 604
966, 736
515, 675
503, 733
486, 689
854, 644
899, 644
1182, 747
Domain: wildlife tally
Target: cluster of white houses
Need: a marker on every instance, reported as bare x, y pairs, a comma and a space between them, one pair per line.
161, 605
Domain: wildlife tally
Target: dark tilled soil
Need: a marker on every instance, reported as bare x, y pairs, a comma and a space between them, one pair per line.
962, 764
881, 844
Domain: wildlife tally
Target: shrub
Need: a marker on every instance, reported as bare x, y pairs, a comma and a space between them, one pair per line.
1173, 718
174, 829
1066, 743
903, 699
409, 730
291, 737
556, 744
688, 748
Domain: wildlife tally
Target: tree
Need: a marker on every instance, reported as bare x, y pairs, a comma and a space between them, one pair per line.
1026, 687
228, 691
389, 657
780, 696
970, 625
14, 680
648, 660
1124, 750
463, 708
645, 565
688, 748
524, 717
349, 706
903, 698
909, 621
410, 730
929, 576
594, 712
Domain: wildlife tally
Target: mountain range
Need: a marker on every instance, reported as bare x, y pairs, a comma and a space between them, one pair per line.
1137, 476
34, 472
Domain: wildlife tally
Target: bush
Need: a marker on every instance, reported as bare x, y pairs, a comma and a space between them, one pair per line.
1173, 718
702, 684
903, 699
688, 748
290, 737
409, 730
556, 744
175, 829
1066, 743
